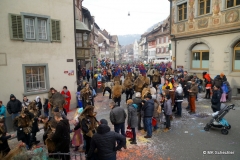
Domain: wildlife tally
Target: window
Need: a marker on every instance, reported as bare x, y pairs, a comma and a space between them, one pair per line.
166, 48
167, 39
204, 6
162, 40
182, 12
200, 59
34, 27
236, 58
35, 78
160, 50
81, 40
232, 3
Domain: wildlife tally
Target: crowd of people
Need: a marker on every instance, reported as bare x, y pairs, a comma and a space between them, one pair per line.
152, 93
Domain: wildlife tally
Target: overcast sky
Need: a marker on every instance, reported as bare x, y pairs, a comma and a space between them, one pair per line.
112, 15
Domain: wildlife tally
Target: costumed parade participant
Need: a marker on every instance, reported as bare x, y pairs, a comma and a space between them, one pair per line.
77, 139
117, 92
86, 94
108, 87
128, 87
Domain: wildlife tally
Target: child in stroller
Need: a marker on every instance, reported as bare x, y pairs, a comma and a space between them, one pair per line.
218, 121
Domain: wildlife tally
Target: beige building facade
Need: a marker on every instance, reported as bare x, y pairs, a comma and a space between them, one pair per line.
205, 36
37, 48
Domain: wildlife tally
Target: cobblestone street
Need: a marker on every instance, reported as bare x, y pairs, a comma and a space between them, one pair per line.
186, 140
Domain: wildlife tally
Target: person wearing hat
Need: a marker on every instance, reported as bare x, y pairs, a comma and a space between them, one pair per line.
132, 119
193, 91
105, 142
167, 112
4, 136
138, 101
148, 109
14, 106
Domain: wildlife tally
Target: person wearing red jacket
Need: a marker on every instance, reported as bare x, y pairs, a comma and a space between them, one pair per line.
67, 95
208, 85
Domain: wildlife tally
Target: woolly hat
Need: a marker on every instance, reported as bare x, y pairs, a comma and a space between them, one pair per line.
104, 121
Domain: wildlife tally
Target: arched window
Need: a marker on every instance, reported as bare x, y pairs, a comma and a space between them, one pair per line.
236, 57
200, 57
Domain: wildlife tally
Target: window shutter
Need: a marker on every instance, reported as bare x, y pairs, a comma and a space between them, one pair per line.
169, 47
56, 30
16, 28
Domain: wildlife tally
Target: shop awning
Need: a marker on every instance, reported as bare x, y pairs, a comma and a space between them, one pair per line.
81, 26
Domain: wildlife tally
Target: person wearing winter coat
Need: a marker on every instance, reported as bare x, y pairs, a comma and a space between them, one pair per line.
178, 98
138, 101
14, 106
167, 112
105, 142
148, 109
61, 137
4, 147
3, 114
118, 117
216, 104
132, 119
193, 91
39, 105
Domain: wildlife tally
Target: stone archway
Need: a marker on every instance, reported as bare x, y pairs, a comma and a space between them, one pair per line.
189, 51
228, 54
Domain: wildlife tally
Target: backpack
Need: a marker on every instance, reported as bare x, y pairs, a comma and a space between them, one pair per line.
225, 88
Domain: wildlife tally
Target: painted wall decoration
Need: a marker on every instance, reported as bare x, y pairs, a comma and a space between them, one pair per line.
216, 7
181, 27
190, 26
232, 16
191, 11
216, 21
203, 23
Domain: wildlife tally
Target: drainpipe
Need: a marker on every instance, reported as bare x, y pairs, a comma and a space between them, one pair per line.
170, 29
175, 48
74, 21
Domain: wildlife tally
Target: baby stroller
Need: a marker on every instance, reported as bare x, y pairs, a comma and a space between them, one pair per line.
218, 121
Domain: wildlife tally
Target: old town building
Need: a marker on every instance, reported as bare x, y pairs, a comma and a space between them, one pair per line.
206, 37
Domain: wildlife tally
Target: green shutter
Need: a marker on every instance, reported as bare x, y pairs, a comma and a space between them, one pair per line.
170, 47
56, 30
15, 26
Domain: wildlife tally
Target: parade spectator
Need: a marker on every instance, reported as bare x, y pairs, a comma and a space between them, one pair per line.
14, 107
83, 70
77, 139
25, 101
80, 82
138, 101
208, 84
132, 119
167, 83
39, 105
3, 114
4, 136
105, 142
56, 110
45, 107
118, 117
153, 92
167, 112
148, 109
61, 137
156, 113
216, 104
178, 98
67, 96
88, 74
192, 97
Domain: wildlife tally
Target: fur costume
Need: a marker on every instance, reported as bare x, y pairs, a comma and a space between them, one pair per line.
51, 129
117, 79
117, 90
24, 122
16, 151
138, 84
90, 120
128, 83
50, 95
58, 100
145, 91
146, 80
156, 76
86, 93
